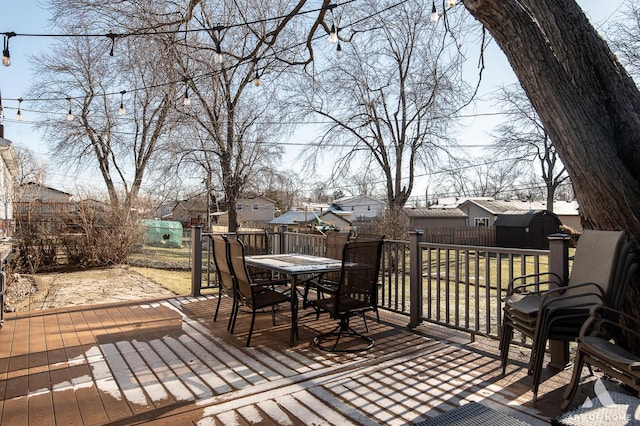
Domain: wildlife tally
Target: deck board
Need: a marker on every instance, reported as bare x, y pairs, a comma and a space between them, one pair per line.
167, 362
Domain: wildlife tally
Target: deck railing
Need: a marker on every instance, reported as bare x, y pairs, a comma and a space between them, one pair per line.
453, 285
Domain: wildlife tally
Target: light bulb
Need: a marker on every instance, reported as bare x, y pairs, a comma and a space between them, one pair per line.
333, 34
339, 51
434, 13
19, 114
256, 80
218, 57
69, 114
121, 111
452, 3
186, 101
6, 57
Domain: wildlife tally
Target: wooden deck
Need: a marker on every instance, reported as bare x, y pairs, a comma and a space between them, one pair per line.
167, 362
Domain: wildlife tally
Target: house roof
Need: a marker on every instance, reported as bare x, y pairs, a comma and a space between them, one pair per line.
8, 154
39, 185
561, 208
517, 219
433, 212
296, 216
193, 204
359, 199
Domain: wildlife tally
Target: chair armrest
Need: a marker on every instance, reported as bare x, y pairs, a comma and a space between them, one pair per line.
269, 283
550, 278
564, 293
326, 287
602, 319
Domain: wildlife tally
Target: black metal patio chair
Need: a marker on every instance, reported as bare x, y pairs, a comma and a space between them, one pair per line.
352, 296
255, 295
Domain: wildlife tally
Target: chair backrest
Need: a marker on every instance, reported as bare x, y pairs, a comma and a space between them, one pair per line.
359, 275
598, 258
369, 237
239, 269
627, 268
221, 260
335, 244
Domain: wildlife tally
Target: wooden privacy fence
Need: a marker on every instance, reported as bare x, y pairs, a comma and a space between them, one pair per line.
461, 235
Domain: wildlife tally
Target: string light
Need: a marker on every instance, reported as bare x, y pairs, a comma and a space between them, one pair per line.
452, 3
218, 57
333, 34
6, 57
186, 101
256, 79
434, 12
19, 114
69, 114
121, 111
111, 36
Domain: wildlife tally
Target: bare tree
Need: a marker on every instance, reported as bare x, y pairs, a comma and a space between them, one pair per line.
625, 38
485, 177
236, 117
31, 169
523, 136
389, 100
121, 105
586, 100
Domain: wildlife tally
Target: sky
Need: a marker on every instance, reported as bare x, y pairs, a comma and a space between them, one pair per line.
29, 17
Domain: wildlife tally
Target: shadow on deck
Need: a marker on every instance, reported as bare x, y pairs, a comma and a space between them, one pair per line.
167, 362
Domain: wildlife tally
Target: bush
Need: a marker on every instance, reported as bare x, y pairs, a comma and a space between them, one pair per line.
91, 235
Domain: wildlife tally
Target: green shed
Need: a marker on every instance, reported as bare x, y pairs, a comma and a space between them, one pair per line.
163, 233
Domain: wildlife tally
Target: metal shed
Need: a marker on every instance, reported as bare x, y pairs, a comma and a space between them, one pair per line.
526, 229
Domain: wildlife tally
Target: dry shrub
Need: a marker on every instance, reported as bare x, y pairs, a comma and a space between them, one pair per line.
89, 234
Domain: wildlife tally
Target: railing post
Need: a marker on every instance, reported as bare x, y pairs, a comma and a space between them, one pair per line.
559, 264
196, 265
415, 277
283, 230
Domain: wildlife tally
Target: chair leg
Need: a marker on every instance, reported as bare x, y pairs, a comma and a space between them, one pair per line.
570, 393
236, 308
364, 319
253, 320
505, 341
232, 317
215, 316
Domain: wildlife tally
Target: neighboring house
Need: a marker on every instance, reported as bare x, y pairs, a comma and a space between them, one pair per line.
569, 214
483, 212
363, 208
40, 208
297, 221
253, 211
8, 170
32, 192
422, 218
190, 212
333, 219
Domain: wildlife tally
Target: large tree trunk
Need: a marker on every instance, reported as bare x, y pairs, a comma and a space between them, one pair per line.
586, 100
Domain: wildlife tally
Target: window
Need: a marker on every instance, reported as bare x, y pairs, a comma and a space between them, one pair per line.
482, 221
255, 207
239, 206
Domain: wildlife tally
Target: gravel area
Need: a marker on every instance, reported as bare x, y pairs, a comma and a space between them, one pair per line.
46, 291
